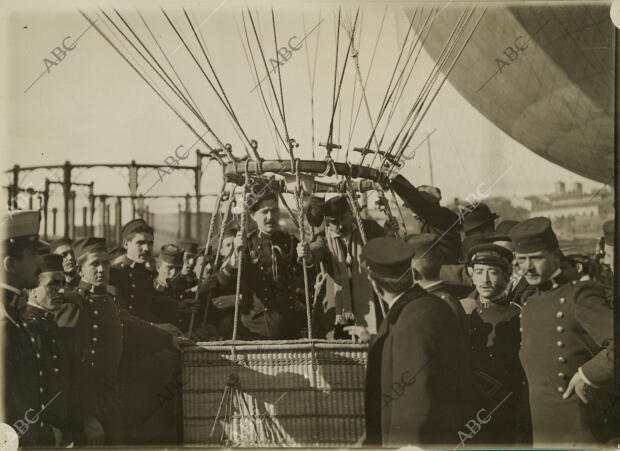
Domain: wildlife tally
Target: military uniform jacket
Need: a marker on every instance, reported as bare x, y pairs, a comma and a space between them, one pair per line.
42, 327
272, 286
24, 375
136, 294
567, 326
415, 389
177, 293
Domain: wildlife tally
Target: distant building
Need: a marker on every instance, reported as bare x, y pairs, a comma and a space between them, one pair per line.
574, 212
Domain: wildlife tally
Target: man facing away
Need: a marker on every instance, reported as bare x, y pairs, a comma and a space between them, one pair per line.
415, 391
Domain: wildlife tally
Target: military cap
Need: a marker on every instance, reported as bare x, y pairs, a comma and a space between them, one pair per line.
60, 242
261, 191
609, 232
336, 207
117, 252
172, 254
479, 216
89, 245
488, 252
315, 211
43, 247
51, 262
388, 256
21, 225
200, 250
136, 226
472, 241
533, 235
505, 226
189, 246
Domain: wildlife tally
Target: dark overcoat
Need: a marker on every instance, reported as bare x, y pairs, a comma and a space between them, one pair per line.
416, 392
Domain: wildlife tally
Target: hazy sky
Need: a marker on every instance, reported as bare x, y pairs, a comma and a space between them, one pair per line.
92, 107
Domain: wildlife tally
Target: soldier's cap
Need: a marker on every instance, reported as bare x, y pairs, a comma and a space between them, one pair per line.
89, 245
505, 226
315, 211
171, 254
533, 235
479, 216
189, 246
609, 232
472, 241
51, 262
138, 225
262, 190
117, 252
60, 242
20, 226
422, 244
488, 252
388, 257
336, 207
431, 193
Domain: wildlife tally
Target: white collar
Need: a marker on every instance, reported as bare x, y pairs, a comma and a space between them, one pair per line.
6, 286
427, 285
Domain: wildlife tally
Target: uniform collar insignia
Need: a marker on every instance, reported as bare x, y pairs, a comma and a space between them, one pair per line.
100, 289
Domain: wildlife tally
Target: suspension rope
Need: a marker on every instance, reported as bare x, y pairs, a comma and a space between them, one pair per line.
216, 208
275, 40
160, 95
312, 77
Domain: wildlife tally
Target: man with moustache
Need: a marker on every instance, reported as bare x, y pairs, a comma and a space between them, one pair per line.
39, 314
133, 278
63, 247
567, 345
23, 371
347, 298
272, 281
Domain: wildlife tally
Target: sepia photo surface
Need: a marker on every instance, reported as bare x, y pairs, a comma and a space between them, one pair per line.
338, 224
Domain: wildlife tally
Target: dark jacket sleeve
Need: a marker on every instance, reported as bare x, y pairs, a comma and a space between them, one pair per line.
596, 317
140, 333
436, 215
164, 307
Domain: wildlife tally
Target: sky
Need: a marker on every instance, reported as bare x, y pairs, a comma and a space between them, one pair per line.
91, 107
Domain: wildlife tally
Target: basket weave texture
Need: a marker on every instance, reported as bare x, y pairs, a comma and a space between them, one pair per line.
289, 393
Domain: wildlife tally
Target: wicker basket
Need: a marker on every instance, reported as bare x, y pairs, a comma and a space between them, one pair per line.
289, 393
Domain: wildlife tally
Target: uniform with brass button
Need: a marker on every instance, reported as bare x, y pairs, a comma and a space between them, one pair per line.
567, 335
23, 368
39, 316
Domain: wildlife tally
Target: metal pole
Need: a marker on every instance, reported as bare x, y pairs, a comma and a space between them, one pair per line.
107, 222
179, 219
102, 216
72, 214
46, 198
188, 218
54, 212
198, 179
85, 221
133, 208
15, 185
30, 200
91, 198
117, 219
66, 191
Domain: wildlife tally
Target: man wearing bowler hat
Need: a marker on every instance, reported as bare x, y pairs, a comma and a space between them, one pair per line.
567, 345
415, 389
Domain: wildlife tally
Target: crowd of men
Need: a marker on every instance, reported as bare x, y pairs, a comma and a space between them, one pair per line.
478, 334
